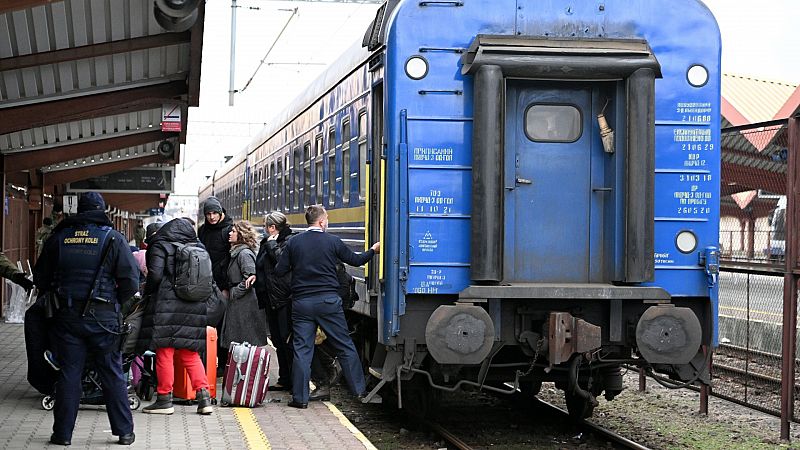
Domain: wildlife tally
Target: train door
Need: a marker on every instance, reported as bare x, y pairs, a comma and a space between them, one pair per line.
553, 217
375, 194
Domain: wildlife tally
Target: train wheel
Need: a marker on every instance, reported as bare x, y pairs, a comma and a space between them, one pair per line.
530, 388
48, 402
420, 399
579, 408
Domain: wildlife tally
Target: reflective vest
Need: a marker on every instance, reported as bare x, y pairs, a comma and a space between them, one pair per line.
79, 253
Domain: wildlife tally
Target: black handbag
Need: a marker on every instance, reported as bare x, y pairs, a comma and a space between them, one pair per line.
216, 304
132, 325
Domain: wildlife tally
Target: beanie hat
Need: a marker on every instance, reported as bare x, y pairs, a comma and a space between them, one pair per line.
152, 229
212, 204
91, 201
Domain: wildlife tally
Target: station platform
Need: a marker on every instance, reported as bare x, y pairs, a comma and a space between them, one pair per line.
24, 424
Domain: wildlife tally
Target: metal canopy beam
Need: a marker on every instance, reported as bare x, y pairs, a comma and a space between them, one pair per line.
753, 178
195, 53
16, 5
91, 51
39, 158
81, 173
132, 202
88, 107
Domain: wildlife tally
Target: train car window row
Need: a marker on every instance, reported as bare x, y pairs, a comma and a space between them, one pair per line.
296, 176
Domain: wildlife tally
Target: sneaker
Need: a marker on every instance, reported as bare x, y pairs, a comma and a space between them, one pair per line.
162, 405
50, 358
204, 402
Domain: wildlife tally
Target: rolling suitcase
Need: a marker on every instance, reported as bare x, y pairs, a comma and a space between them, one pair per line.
182, 388
246, 375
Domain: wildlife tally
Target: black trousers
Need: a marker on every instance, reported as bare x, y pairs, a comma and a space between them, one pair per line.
280, 329
80, 337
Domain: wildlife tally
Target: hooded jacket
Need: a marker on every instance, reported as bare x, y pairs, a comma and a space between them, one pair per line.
169, 321
215, 239
272, 290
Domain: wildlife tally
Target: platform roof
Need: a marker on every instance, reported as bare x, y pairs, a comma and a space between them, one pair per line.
82, 85
754, 138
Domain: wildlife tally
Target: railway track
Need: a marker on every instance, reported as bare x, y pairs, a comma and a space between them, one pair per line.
597, 430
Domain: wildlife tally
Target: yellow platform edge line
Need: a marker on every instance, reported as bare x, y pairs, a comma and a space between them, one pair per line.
253, 434
358, 434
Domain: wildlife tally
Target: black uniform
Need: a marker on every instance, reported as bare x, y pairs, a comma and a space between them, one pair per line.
67, 266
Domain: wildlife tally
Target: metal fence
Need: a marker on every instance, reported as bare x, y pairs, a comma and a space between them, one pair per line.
747, 364
753, 364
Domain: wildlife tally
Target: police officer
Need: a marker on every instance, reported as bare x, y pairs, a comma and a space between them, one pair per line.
91, 270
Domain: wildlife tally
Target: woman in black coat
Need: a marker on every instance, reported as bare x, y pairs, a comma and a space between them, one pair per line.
171, 326
275, 294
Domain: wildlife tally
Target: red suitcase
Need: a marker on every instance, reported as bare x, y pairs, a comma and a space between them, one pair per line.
183, 386
246, 375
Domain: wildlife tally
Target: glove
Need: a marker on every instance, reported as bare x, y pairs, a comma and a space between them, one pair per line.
22, 280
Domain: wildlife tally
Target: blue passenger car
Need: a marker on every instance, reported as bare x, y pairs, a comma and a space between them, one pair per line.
543, 176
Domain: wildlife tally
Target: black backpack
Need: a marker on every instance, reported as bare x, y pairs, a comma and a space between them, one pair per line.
194, 279
347, 287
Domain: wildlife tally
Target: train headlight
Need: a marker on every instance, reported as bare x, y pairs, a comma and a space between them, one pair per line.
697, 75
416, 67
686, 241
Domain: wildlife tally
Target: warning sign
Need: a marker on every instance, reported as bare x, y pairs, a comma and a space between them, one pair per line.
171, 117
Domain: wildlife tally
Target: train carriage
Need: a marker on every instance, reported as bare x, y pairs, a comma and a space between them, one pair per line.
543, 177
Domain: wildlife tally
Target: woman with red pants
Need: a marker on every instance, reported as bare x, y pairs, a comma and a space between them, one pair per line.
174, 328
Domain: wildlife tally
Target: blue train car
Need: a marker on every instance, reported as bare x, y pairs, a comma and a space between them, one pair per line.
543, 176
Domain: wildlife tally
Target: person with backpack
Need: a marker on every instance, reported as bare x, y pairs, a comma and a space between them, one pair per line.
179, 281
244, 321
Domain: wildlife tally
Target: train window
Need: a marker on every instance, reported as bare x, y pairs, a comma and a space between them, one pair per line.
298, 183
273, 193
318, 168
332, 167
553, 123
279, 187
306, 174
346, 163
286, 187
362, 156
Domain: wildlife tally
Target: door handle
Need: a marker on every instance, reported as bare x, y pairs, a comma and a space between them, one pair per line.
520, 180
602, 189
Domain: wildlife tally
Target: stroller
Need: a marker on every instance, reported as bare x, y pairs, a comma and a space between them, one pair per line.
43, 377
92, 390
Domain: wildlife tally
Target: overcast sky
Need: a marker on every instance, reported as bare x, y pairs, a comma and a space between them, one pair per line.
760, 39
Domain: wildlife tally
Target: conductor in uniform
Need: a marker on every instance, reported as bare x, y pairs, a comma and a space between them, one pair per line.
88, 270
311, 256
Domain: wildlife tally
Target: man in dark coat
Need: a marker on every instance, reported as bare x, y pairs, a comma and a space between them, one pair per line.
90, 270
311, 257
171, 326
214, 235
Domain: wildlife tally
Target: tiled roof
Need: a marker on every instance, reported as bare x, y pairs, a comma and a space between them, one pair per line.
755, 100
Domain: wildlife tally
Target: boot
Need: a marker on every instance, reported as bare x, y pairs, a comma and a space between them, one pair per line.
204, 402
321, 393
162, 405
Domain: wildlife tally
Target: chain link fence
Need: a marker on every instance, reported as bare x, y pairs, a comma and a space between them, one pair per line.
747, 365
